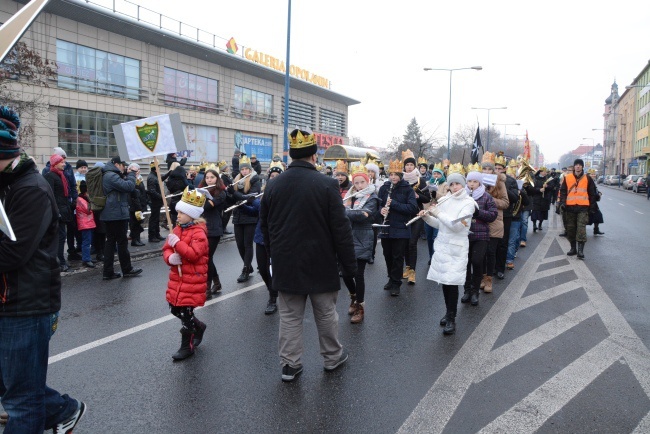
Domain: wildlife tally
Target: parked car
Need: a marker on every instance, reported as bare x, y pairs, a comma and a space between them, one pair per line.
629, 181
640, 185
600, 179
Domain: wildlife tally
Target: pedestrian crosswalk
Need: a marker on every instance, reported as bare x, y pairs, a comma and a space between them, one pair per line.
566, 295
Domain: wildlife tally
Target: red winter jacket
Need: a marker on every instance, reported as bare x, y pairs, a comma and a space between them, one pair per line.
188, 290
85, 217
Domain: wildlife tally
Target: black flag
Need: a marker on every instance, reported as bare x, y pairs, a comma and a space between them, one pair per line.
477, 145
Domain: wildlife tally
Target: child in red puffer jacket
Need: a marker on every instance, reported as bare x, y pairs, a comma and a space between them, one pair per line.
186, 251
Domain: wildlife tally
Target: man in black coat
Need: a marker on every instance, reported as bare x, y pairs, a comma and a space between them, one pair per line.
155, 199
256, 165
171, 158
513, 197
306, 233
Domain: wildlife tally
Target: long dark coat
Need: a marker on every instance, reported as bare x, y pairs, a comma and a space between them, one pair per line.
403, 208
306, 231
541, 200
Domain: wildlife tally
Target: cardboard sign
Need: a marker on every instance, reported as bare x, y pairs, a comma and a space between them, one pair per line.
150, 137
489, 179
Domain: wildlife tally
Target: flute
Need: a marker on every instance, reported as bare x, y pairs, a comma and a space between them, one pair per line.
240, 203
441, 201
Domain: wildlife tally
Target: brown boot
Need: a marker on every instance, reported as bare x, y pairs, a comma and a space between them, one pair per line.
488, 284
483, 280
358, 314
407, 270
411, 278
353, 304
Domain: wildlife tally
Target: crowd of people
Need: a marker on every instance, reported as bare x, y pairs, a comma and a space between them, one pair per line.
300, 220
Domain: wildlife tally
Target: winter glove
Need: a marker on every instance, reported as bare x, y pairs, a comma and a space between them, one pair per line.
172, 239
250, 199
138, 216
175, 259
230, 189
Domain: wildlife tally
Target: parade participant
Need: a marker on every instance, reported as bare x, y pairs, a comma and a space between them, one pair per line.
519, 204
500, 195
382, 173
423, 168
596, 218
201, 173
513, 196
306, 234
242, 188
235, 162
155, 198
399, 205
373, 174
422, 196
578, 199
525, 216
137, 205
224, 170
449, 262
212, 211
115, 216
59, 185
540, 194
255, 164
341, 174
172, 158
176, 181
479, 235
361, 207
439, 188
558, 209
262, 257
328, 171
31, 293
186, 249
85, 224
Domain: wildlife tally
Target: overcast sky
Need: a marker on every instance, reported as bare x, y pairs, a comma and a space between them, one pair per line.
551, 63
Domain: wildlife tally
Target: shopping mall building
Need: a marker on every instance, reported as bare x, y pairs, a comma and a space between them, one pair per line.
123, 62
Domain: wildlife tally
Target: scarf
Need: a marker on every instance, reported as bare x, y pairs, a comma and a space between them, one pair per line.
361, 196
412, 177
17, 163
476, 194
63, 179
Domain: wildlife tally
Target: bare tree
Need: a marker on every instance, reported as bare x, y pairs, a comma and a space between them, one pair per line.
21, 68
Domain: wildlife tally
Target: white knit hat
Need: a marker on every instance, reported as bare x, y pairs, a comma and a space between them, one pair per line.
60, 151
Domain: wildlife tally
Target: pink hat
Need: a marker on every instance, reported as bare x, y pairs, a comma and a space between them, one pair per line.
55, 159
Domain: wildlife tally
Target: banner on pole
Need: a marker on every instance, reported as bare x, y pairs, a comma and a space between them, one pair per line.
150, 137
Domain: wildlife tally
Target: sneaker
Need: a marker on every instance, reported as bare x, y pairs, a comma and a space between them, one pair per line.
510, 266
522, 244
112, 276
289, 373
394, 290
271, 308
339, 362
67, 426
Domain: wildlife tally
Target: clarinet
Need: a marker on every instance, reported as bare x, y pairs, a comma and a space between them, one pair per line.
383, 225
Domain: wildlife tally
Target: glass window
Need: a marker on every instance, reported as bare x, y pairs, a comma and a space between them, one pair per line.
190, 91
251, 104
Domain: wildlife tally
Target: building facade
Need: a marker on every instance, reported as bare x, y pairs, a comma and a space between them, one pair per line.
114, 66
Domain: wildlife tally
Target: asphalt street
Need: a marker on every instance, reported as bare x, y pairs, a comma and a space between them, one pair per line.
561, 345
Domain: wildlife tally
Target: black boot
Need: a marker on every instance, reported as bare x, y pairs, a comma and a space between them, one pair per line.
450, 326
216, 286
198, 334
573, 250
244, 276
539, 228
474, 298
466, 296
187, 346
597, 231
444, 319
271, 306
534, 226
581, 250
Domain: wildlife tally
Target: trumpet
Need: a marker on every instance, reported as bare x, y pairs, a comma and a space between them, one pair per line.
241, 202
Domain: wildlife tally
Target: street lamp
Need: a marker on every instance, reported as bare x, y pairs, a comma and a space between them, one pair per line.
505, 126
487, 147
593, 147
476, 68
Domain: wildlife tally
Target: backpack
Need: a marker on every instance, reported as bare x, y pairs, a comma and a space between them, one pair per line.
94, 180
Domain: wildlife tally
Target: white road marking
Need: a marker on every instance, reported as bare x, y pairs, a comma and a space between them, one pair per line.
638, 211
477, 359
132, 330
609, 198
621, 204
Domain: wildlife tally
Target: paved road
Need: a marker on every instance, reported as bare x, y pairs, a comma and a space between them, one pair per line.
560, 346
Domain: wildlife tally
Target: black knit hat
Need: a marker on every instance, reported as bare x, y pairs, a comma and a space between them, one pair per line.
81, 163
578, 161
9, 125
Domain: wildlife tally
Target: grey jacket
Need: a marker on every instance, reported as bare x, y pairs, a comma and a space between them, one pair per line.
362, 233
117, 191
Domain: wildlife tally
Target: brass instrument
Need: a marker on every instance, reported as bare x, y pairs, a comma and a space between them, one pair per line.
526, 173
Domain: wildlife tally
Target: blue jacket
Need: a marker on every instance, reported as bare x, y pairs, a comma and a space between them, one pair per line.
403, 208
117, 191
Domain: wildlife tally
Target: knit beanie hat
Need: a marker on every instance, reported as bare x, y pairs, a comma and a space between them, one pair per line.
361, 174
9, 124
81, 163
55, 159
456, 177
579, 161
60, 151
474, 176
192, 202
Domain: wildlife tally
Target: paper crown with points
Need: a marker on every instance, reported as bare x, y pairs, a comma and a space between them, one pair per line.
359, 169
512, 163
474, 167
192, 168
301, 139
438, 166
456, 168
341, 167
244, 160
407, 154
422, 160
512, 170
276, 166
192, 197
212, 166
203, 165
395, 166
222, 164
500, 159
488, 157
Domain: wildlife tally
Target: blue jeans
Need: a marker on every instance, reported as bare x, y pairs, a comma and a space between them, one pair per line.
86, 240
24, 347
525, 216
432, 233
513, 240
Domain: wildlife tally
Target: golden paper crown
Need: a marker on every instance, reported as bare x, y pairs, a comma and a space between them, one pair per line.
456, 168
359, 169
543, 169
380, 165
512, 170
212, 166
591, 171
203, 165
438, 166
193, 198
422, 160
512, 163
500, 159
298, 140
244, 160
192, 168
222, 164
395, 166
341, 166
488, 157
407, 154
276, 164
474, 167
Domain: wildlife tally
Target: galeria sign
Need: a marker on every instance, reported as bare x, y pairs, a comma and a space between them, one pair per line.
278, 65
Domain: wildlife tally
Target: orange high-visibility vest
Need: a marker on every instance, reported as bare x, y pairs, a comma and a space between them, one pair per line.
577, 191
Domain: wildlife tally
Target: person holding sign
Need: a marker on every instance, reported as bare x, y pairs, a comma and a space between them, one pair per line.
31, 292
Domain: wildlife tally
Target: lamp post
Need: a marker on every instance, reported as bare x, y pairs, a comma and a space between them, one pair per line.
487, 146
505, 126
451, 70
593, 146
